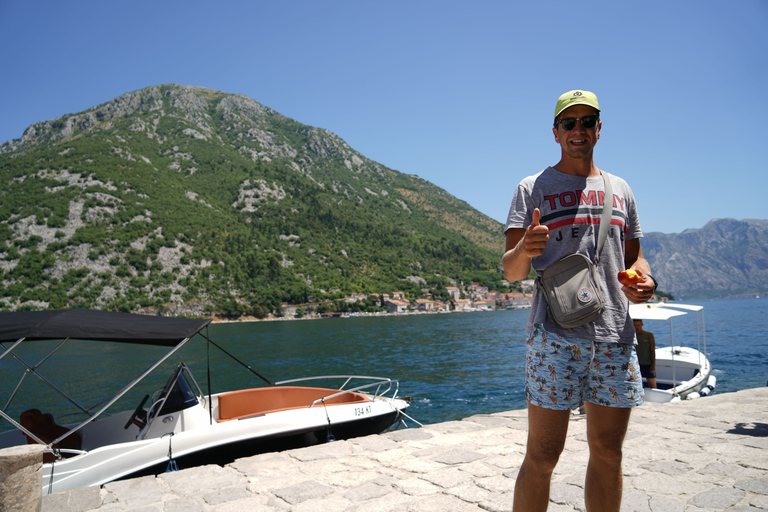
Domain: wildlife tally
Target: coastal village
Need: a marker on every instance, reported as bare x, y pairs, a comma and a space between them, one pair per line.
472, 297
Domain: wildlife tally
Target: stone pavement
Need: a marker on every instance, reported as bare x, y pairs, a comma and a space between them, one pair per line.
704, 455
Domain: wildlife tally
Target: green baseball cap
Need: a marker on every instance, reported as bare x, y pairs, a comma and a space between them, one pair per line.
576, 97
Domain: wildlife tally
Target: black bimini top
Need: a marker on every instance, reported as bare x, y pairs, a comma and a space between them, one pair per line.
87, 324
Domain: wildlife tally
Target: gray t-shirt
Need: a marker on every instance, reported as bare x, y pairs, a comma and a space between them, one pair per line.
570, 207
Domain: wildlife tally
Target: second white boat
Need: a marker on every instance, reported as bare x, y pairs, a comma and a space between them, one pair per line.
681, 372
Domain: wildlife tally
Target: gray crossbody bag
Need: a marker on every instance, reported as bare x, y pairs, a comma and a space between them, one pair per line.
570, 285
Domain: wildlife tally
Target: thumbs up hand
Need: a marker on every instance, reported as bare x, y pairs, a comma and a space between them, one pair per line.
536, 236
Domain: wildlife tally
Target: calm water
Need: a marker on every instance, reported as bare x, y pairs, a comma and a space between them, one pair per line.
454, 365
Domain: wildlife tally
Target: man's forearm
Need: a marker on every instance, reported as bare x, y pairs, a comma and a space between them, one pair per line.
516, 264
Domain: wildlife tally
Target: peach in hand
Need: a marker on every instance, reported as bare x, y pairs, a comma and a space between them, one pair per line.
629, 277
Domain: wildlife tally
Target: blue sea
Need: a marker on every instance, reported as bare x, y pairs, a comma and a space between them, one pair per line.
454, 365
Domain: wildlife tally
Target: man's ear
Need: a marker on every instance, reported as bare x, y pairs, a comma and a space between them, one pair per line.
557, 138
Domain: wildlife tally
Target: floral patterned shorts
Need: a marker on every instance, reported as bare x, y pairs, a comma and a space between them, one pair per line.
562, 373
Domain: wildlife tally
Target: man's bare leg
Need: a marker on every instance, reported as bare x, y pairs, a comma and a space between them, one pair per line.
547, 431
606, 428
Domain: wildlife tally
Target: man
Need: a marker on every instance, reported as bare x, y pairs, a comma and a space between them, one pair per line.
646, 353
553, 214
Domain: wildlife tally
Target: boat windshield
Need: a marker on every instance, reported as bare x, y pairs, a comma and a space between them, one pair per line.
181, 396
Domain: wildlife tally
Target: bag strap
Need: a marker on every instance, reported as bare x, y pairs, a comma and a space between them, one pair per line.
605, 218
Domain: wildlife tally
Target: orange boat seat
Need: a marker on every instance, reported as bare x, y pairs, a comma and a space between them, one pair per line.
252, 402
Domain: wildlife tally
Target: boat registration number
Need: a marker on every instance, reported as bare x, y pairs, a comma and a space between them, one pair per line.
362, 411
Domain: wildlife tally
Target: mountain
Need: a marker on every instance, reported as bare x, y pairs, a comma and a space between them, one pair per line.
186, 199
725, 258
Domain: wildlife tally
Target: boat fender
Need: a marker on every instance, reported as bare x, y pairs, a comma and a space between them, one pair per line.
711, 382
693, 396
704, 391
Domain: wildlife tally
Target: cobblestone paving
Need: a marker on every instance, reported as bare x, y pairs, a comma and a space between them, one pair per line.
706, 455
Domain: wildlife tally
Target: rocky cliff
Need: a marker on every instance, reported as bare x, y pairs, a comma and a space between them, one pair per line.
727, 257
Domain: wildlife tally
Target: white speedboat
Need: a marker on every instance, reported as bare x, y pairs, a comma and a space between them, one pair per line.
178, 425
681, 372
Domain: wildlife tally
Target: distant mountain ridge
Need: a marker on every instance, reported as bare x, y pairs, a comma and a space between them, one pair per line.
725, 258
189, 200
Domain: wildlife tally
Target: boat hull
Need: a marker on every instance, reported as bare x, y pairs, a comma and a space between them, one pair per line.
681, 373
220, 442
224, 454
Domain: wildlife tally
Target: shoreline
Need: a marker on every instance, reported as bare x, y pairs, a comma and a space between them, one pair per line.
218, 320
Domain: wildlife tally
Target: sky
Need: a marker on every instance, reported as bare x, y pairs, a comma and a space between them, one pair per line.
459, 93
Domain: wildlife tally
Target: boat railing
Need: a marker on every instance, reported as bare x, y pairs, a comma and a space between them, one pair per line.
383, 385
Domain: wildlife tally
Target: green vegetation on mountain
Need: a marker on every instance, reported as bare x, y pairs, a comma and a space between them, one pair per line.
190, 200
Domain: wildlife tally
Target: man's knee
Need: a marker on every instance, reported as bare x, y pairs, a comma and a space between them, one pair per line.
543, 458
608, 450
606, 429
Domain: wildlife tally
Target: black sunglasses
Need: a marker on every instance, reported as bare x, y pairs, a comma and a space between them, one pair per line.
569, 123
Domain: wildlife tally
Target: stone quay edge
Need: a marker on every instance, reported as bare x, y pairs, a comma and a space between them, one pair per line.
704, 455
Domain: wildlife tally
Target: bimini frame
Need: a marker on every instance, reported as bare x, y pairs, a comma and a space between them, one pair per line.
26, 326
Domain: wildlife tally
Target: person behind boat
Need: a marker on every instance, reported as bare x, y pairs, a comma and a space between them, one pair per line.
646, 353
595, 364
